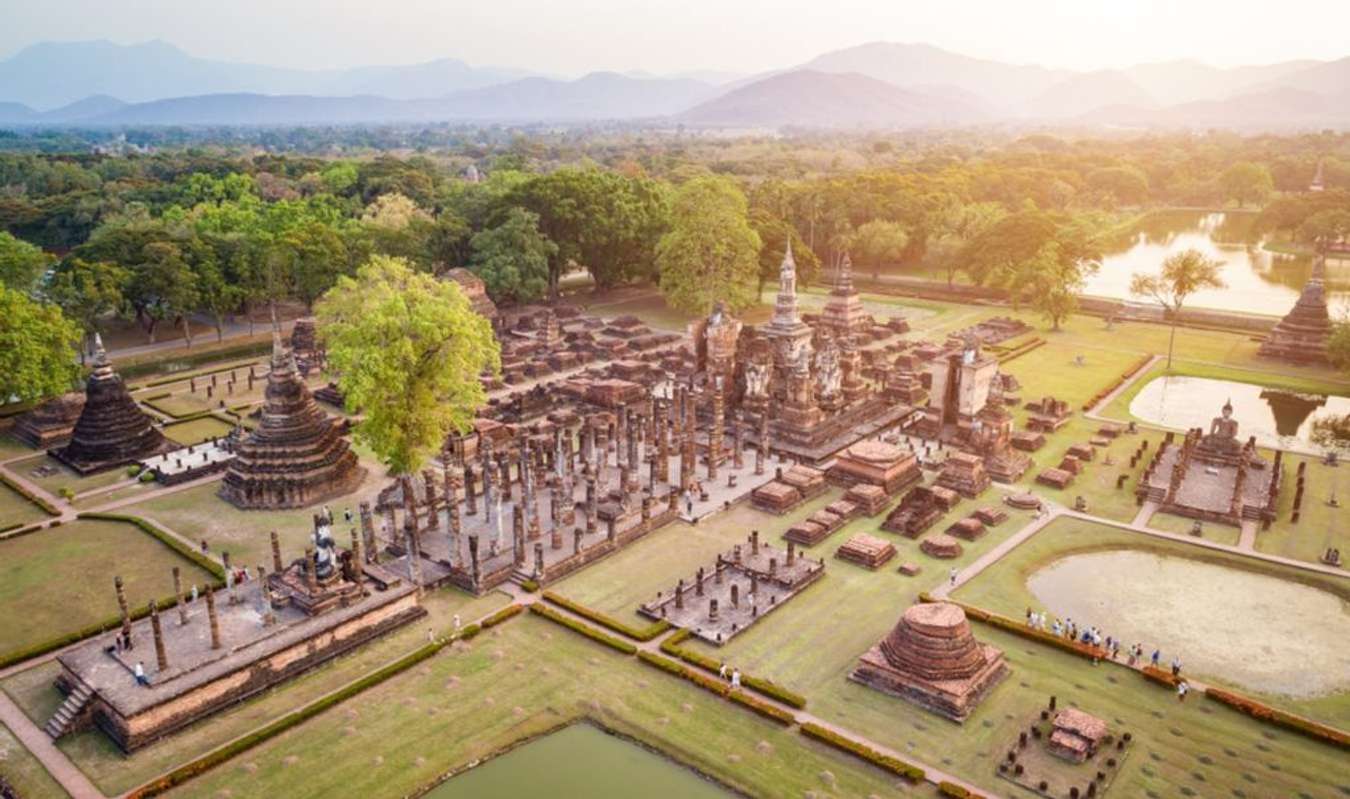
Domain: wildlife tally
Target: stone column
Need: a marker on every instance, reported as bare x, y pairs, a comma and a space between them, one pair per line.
276, 553
754, 543
716, 432
414, 557
712, 609
470, 496
455, 525
368, 531
433, 517
161, 656
610, 532
621, 436
358, 563
474, 563
310, 582
179, 599
762, 451
735, 595
791, 554
634, 432
517, 537
679, 595
538, 560
126, 611
576, 541
738, 442
211, 617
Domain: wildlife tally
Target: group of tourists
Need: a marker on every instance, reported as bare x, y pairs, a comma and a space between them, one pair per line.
731, 675
1106, 645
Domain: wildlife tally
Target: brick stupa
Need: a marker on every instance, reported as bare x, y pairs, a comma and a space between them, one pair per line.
1301, 336
51, 423
297, 456
932, 659
112, 430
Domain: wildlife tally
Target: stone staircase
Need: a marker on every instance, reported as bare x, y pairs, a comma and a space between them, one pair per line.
520, 576
76, 701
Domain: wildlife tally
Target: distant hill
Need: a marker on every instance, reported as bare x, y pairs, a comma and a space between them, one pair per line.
1332, 78
54, 74
1173, 82
1271, 109
1082, 93
810, 98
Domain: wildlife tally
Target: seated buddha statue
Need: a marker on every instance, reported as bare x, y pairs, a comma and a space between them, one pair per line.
1223, 433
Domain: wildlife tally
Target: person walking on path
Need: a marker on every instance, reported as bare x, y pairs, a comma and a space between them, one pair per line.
1157, 656
952, 575
1176, 666
1182, 690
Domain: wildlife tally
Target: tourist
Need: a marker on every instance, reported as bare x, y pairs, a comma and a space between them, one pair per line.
722, 670
736, 679
347, 515
1182, 690
456, 622
139, 671
1176, 666
953, 575
1157, 655
194, 592
1031, 618
206, 548
1057, 628
1134, 656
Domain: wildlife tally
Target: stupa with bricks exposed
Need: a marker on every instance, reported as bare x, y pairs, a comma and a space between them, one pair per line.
1302, 335
297, 456
112, 430
932, 659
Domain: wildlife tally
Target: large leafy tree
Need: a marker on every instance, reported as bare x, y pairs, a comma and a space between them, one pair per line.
512, 258
409, 350
162, 288
711, 253
21, 264
956, 224
774, 234
87, 291
37, 348
878, 241
1246, 182
1183, 274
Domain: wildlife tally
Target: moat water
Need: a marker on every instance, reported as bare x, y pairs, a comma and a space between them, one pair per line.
1277, 418
580, 760
1258, 281
1250, 629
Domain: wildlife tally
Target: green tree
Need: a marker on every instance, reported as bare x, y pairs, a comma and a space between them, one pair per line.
87, 291
955, 226
408, 349
877, 242
1246, 182
1183, 274
1054, 283
512, 258
21, 264
37, 348
711, 253
162, 287
774, 234
1126, 185
1338, 345
1325, 228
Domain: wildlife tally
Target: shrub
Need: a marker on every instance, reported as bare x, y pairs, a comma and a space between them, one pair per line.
147, 476
645, 634
956, 791
1289, 721
133, 470
530, 585
894, 765
469, 631
508, 612
67, 493
576, 626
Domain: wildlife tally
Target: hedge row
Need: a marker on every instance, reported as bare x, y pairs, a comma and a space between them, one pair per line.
1020, 628
1159, 676
576, 626
671, 646
1264, 712
956, 791
718, 687
47, 507
210, 760
1022, 350
530, 585
894, 765
164, 538
1126, 375
644, 634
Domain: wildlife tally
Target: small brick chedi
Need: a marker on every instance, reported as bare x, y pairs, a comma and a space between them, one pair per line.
112, 431
297, 455
1302, 335
51, 423
932, 659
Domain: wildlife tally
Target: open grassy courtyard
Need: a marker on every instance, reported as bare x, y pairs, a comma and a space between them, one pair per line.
60, 580
16, 510
23, 771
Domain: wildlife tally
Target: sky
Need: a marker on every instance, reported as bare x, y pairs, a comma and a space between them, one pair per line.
572, 37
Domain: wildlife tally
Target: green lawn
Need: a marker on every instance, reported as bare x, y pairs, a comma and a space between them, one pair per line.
197, 513
64, 477
24, 771
1002, 587
1320, 525
16, 509
517, 681
59, 580
114, 772
197, 430
11, 447
1211, 531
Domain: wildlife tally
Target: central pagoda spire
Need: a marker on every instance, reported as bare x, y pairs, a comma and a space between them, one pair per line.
785, 309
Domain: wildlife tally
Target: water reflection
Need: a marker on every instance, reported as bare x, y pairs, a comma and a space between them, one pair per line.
1277, 418
1258, 281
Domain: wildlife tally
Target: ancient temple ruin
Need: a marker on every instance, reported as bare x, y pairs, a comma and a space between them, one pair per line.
1213, 476
112, 430
296, 456
1301, 336
932, 659
51, 423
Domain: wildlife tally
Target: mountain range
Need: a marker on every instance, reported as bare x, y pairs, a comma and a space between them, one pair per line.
875, 85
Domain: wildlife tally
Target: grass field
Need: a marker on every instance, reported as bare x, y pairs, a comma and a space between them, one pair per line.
24, 771
520, 680
114, 772
197, 430
11, 447
63, 477
16, 509
59, 580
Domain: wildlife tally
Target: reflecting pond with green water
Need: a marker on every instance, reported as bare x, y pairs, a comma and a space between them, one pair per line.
1248, 628
1277, 418
579, 761
1258, 281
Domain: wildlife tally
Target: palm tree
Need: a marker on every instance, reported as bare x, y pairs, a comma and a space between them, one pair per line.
1183, 274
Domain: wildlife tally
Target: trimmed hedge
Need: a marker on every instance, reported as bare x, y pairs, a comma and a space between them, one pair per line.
1289, 721
47, 507
894, 765
718, 687
1020, 628
671, 646
1159, 676
1021, 350
212, 759
508, 612
956, 791
644, 634
576, 626
1126, 375
530, 586
164, 538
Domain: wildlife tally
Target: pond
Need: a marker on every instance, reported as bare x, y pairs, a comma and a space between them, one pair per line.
1255, 630
1258, 281
580, 760
1277, 418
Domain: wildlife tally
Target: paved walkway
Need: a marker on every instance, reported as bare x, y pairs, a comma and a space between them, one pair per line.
40, 745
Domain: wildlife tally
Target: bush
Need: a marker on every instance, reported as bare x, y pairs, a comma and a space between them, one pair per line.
133, 470
1289, 721
956, 791
576, 626
508, 612
530, 585
645, 634
147, 476
67, 493
894, 765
